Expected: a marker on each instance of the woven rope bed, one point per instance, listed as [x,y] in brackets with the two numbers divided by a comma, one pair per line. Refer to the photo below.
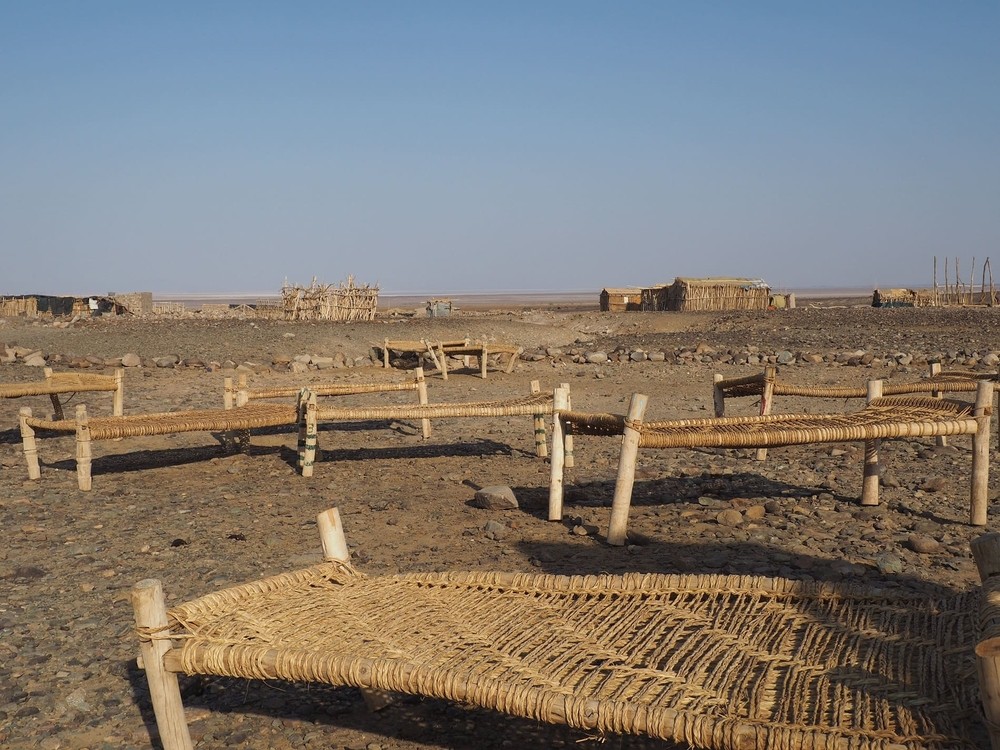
[885,417]
[767,385]
[721,662]
[439,351]
[87,429]
[61,383]
[536,405]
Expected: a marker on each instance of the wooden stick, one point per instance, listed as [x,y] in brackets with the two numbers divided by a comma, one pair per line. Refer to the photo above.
[766,399]
[513,359]
[935,370]
[29,443]
[331,534]
[57,409]
[718,395]
[309,444]
[118,405]
[981,454]
[986,552]
[558,456]
[83,455]
[242,390]
[538,424]
[626,471]
[568,461]
[385,353]
[425,424]
[870,478]
[441,366]
[151,616]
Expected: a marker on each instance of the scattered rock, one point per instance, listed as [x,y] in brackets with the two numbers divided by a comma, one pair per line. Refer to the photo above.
[495,497]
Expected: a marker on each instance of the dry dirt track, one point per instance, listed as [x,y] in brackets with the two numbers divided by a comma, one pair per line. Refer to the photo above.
[178,509]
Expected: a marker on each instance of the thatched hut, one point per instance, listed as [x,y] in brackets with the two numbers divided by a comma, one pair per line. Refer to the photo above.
[693,295]
[344,302]
[903,298]
[654,298]
[621,299]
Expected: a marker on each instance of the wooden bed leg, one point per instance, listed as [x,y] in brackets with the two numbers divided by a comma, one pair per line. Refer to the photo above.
[441,366]
[83,454]
[870,478]
[986,552]
[626,471]
[29,443]
[242,399]
[151,615]
[118,405]
[538,424]
[385,353]
[558,456]
[568,460]
[935,370]
[718,396]
[981,454]
[331,534]
[227,393]
[513,360]
[483,358]
[425,424]
[766,400]
[309,444]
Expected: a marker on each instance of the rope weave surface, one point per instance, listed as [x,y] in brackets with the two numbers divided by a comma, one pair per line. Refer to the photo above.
[540,403]
[60,383]
[887,417]
[947,382]
[134,425]
[339,389]
[715,661]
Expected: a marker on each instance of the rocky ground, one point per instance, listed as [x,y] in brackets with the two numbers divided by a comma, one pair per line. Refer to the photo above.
[179,509]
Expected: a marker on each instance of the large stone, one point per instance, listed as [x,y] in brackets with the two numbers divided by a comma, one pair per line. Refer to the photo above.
[36,359]
[597,358]
[168,361]
[495,497]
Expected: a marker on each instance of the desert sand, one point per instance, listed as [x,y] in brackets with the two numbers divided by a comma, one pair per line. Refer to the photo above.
[180,509]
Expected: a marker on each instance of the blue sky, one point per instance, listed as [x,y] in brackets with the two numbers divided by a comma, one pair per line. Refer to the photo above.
[470,146]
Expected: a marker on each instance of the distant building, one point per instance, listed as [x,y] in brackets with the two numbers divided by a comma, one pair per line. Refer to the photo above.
[715,294]
[621,299]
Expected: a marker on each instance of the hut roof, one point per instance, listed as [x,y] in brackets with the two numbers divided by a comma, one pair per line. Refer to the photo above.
[622,289]
[720,281]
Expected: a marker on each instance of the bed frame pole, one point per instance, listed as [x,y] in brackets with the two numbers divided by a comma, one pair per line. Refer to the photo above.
[935,370]
[425,423]
[568,460]
[242,390]
[83,454]
[870,479]
[538,423]
[718,395]
[29,443]
[151,615]
[57,410]
[981,453]
[482,360]
[986,552]
[513,359]
[227,393]
[626,471]
[118,405]
[385,353]
[767,400]
[559,405]
[309,443]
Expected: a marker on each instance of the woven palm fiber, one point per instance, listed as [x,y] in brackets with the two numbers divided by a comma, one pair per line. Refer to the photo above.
[753,385]
[339,389]
[134,425]
[540,403]
[727,662]
[60,383]
[888,417]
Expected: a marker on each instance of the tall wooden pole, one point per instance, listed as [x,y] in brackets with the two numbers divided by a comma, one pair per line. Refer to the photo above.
[979,500]
[558,456]
[626,471]
[870,480]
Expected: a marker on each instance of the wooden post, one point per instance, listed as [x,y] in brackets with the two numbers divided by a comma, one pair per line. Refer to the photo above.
[118,405]
[227,393]
[718,395]
[242,390]
[331,534]
[483,356]
[385,353]
[513,359]
[151,618]
[626,471]
[538,424]
[981,454]
[310,441]
[441,366]
[29,444]
[766,400]
[935,370]
[425,423]
[558,455]
[83,455]
[870,479]
[568,460]
[986,552]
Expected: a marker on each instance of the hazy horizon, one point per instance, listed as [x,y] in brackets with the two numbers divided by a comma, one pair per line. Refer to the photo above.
[447,145]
